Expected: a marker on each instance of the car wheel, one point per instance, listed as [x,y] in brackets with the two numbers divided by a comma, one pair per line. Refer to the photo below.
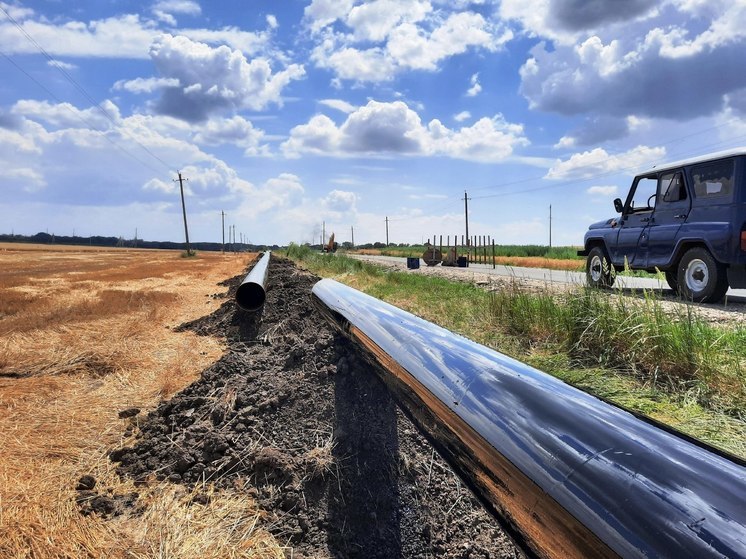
[701,278]
[672,280]
[598,270]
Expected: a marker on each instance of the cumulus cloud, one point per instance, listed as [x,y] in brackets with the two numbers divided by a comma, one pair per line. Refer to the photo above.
[215,79]
[462,116]
[376,40]
[671,65]
[598,162]
[395,129]
[236,131]
[564,20]
[341,201]
[164,9]
[475,88]
[65,115]
[122,36]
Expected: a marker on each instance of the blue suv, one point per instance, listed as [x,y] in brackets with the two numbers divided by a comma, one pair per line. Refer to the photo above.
[686,219]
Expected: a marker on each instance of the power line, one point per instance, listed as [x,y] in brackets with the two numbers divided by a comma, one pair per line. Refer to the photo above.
[79,87]
[78,116]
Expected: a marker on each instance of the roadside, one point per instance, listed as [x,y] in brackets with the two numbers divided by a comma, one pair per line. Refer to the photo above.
[732,310]
[655,357]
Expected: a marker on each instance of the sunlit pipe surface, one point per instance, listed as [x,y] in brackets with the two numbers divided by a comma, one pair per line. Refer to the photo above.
[567,474]
[251,294]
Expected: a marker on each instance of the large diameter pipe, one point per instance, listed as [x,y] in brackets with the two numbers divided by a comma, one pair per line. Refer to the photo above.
[251,294]
[565,473]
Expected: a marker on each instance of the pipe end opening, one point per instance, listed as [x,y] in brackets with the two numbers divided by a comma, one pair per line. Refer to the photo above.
[250,296]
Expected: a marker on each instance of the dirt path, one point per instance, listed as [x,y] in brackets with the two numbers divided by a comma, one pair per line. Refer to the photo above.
[293,416]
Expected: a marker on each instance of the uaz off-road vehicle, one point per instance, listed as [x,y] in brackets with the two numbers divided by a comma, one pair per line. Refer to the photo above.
[686,219]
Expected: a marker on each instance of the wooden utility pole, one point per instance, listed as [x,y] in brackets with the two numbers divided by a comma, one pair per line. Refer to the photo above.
[352,232]
[183,209]
[387,230]
[550,225]
[222,227]
[466,216]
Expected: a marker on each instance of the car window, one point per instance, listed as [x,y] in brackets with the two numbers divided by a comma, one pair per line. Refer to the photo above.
[713,179]
[672,187]
[645,190]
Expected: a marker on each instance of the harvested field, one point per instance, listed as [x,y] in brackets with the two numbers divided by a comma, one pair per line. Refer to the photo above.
[285,445]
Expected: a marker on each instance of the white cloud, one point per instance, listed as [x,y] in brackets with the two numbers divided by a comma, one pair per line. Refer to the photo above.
[215,79]
[320,13]
[61,64]
[462,116]
[638,66]
[338,104]
[145,85]
[341,201]
[395,129]
[373,21]
[65,115]
[272,21]
[188,7]
[235,131]
[122,36]
[386,37]
[604,191]
[17,12]
[598,162]
[475,88]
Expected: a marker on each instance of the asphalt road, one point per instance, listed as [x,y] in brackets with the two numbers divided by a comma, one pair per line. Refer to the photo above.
[555,276]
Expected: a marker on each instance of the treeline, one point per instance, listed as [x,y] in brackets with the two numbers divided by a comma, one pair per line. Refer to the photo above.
[47,239]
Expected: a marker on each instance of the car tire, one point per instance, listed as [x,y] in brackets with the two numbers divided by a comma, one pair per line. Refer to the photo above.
[598,270]
[672,279]
[701,278]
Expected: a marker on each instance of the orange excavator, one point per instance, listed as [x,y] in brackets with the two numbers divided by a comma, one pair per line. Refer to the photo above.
[331,246]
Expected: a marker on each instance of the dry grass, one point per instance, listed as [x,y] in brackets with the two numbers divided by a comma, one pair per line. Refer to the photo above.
[84,334]
[538,262]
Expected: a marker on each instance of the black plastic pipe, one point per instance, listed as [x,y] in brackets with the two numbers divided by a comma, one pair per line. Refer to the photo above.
[251,294]
[565,473]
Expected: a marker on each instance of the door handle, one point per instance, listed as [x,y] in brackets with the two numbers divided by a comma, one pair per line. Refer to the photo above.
[680,216]
[644,219]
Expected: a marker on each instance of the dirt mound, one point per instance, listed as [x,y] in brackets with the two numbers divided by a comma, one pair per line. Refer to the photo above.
[295,417]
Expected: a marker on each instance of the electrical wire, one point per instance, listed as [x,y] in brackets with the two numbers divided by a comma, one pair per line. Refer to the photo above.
[79,87]
[79,117]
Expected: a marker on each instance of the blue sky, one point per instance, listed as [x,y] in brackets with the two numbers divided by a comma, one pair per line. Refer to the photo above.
[287,114]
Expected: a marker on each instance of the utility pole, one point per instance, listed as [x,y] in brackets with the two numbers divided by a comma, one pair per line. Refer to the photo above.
[466,216]
[387,230]
[323,234]
[222,227]
[550,225]
[352,231]
[183,209]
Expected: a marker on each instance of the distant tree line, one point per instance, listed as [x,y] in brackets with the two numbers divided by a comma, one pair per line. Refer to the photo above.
[48,239]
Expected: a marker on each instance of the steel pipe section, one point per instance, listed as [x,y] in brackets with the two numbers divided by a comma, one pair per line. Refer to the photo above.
[565,473]
[251,294]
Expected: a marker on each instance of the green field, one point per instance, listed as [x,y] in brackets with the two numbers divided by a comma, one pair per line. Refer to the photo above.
[668,364]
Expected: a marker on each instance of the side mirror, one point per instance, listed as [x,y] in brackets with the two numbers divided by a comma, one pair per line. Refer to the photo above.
[618,206]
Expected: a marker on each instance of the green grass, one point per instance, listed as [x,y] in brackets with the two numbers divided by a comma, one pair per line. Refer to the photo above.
[634,352]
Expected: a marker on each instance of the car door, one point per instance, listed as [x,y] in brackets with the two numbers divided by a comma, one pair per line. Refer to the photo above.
[632,242]
[671,210]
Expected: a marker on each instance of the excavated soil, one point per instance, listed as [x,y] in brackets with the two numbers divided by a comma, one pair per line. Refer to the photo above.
[293,416]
